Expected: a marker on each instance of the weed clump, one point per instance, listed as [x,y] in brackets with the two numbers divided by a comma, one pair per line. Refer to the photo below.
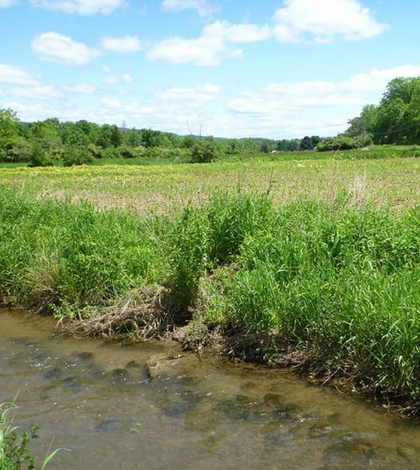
[15,453]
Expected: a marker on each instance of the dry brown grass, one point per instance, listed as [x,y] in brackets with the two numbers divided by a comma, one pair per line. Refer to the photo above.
[142,314]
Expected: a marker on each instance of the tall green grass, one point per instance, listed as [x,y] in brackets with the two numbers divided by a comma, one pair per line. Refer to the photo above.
[58,253]
[341,280]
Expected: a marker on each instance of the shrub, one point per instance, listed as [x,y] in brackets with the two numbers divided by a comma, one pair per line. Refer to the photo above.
[127,152]
[343,142]
[76,156]
[39,156]
[110,153]
[204,151]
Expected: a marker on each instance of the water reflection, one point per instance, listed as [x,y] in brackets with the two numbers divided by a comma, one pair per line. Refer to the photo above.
[97,400]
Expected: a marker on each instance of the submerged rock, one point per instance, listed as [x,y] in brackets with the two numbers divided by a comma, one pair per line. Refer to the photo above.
[163,366]
[84,356]
[54,373]
[120,375]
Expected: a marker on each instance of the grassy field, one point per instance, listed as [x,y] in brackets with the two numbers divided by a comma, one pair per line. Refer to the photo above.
[309,261]
[290,177]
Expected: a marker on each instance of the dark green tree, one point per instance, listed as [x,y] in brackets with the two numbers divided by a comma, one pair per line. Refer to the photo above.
[265,146]
[73,135]
[105,136]
[116,136]
[306,143]
[315,140]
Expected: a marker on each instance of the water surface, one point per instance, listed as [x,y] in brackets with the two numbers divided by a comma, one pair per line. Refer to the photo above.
[96,399]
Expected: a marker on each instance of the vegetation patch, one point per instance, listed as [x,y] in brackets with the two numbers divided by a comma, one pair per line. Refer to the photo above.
[15,453]
[329,286]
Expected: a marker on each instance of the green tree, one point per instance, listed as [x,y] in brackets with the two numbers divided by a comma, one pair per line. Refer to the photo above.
[306,143]
[265,146]
[231,146]
[188,141]
[315,140]
[105,136]
[89,129]
[133,138]
[9,131]
[44,129]
[74,135]
[398,119]
[151,138]
[21,152]
[116,136]
[365,123]
[288,145]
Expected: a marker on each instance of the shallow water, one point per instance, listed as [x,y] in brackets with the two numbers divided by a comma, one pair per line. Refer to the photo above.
[96,399]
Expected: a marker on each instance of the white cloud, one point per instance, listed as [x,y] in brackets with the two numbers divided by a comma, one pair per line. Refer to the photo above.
[203,7]
[173,109]
[81,88]
[110,80]
[80,7]
[191,97]
[376,80]
[307,107]
[30,112]
[59,49]
[122,44]
[237,33]
[322,19]
[174,116]
[7,3]
[325,19]
[45,92]
[211,47]
[298,98]
[10,75]
[276,110]
[206,51]
[112,103]
[127,78]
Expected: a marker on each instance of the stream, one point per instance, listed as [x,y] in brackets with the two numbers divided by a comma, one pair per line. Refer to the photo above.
[96,399]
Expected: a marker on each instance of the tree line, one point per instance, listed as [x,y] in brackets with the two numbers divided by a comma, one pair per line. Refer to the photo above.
[396,120]
[51,141]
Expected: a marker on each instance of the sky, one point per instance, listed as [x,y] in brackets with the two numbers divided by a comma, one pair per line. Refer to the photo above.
[277,69]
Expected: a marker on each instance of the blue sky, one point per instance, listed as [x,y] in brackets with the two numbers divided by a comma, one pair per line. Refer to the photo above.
[230,68]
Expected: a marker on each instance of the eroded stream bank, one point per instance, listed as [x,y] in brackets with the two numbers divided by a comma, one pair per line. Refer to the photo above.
[97,399]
